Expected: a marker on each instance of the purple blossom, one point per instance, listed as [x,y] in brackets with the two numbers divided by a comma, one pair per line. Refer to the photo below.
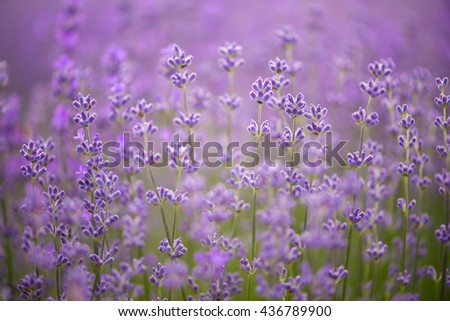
[442,83]
[337,274]
[359,159]
[259,131]
[287,36]
[376,251]
[373,88]
[158,275]
[231,52]
[31,287]
[183,79]
[187,120]
[381,68]
[403,278]
[361,118]
[254,180]
[178,249]
[179,59]
[230,102]
[294,106]
[261,90]
[442,234]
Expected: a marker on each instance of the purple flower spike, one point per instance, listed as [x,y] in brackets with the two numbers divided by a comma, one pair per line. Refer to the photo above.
[442,123]
[231,49]
[354,215]
[407,122]
[160,196]
[261,90]
[142,108]
[295,106]
[403,278]
[255,181]
[179,59]
[442,83]
[231,52]
[406,170]
[84,103]
[248,267]
[278,66]
[337,274]
[31,287]
[443,234]
[178,249]
[187,120]
[158,275]
[177,198]
[361,118]
[442,101]
[431,272]
[231,102]
[183,79]
[372,88]
[287,36]
[381,68]
[377,250]
[261,131]
[359,159]
[245,265]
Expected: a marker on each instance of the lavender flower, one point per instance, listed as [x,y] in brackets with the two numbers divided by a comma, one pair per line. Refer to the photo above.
[231,52]
[376,251]
[442,234]
[372,88]
[178,249]
[294,106]
[231,102]
[381,68]
[337,274]
[261,90]
[31,287]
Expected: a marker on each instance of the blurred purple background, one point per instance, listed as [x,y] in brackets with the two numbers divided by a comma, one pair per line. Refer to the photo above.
[412,32]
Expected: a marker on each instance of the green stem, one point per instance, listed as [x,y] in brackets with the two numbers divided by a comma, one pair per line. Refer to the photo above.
[305,221]
[174,225]
[8,248]
[363,127]
[416,261]
[249,286]
[254,226]
[185,100]
[183,293]
[374,284]
[406,212]
[166,226]
[347,259]
[152,179]
[443,273]
[231,82]
[280,112]
[228,127]
[97,275]
[258,137]
[58,294]
[144,276]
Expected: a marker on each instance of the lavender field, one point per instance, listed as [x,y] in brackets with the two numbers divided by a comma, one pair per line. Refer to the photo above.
[224,150]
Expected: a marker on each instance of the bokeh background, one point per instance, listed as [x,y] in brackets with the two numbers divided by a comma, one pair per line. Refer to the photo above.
[412,32]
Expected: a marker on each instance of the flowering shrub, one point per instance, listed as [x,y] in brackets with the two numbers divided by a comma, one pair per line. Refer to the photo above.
[301,171]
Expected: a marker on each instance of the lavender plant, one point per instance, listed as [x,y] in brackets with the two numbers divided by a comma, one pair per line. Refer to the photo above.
[339,190]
